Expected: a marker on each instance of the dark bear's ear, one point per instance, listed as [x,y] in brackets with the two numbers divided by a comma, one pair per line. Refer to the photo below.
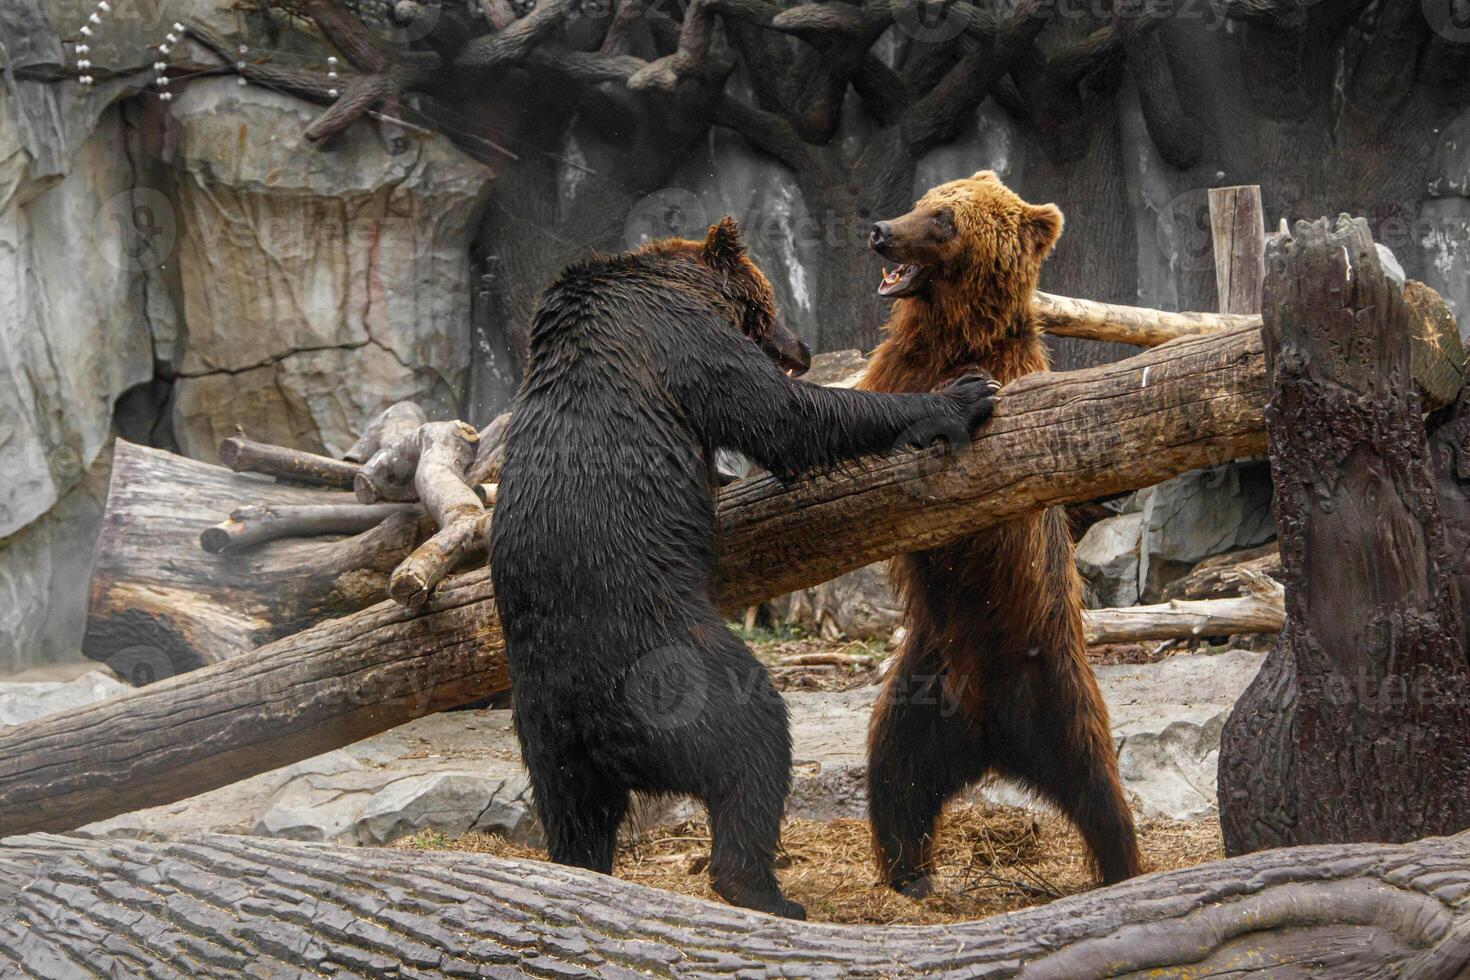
[722,247]
[1041,226]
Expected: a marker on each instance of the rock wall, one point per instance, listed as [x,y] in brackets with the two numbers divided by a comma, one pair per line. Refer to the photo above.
[173,270]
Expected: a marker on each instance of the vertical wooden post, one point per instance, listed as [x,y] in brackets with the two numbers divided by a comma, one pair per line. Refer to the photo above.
[1358,726]
[1238,229]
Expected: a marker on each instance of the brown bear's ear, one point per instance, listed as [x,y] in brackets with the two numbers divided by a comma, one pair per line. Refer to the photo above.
[984,175]
[722,247]
[1041,226]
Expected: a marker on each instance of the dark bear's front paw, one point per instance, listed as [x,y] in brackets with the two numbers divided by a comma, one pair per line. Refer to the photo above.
[791,910]
[975,392]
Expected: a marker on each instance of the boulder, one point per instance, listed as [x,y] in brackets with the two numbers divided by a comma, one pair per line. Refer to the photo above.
[1107,557]
[20,703]
[1200,514]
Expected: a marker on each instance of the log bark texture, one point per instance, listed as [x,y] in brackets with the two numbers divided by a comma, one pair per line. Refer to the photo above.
[1238,233]
[161,605]
[1358,725]
[232,906]
[1449,444]
[1062,316]
[1054,439]
[1228,574]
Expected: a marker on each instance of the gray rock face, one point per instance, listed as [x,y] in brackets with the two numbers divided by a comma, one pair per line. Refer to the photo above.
[1200,514]
[461,770]
[71,341]
[1107,557]
[290,291]
[300,269]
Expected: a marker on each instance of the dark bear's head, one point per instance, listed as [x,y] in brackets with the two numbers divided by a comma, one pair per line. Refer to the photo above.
[974,234]
[743,288]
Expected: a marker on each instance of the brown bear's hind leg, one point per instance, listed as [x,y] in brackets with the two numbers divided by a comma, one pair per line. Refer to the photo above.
[922,751]
[1051,734]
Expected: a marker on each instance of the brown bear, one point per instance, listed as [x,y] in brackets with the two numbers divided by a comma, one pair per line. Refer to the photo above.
[992,676]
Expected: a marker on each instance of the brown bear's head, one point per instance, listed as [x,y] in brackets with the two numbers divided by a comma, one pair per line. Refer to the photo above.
[743,288]
[972,234]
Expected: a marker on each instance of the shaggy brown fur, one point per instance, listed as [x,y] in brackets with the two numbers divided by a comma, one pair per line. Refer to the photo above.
[992,677]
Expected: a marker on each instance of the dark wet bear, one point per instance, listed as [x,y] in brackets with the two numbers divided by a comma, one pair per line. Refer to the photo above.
[602,547]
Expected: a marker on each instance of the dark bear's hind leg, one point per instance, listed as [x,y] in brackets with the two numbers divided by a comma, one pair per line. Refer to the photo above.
[921,753]
[741,752]
[579,807]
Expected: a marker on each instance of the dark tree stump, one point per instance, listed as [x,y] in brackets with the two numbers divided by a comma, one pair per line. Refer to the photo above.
[221,906]
[1449,444]
[1358,726]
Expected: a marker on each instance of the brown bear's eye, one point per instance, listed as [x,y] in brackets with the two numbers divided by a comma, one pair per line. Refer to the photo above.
[944,221]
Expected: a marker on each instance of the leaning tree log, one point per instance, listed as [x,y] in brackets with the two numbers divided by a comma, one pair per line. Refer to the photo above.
[231,906]
[1358,725]
[1054,439]
[155,600]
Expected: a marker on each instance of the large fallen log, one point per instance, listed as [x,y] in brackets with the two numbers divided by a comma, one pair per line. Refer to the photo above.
[218,905]
[1054,439]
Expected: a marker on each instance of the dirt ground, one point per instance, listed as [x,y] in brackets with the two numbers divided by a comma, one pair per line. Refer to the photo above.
[991,859]
[809,663]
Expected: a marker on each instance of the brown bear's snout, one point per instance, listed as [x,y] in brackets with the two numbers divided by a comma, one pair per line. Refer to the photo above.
[880,236]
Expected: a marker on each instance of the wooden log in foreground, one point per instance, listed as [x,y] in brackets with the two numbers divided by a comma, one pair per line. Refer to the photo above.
[1054,439]
[218,905]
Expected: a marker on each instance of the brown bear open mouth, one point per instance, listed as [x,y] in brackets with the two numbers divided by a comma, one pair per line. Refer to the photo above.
[904,280]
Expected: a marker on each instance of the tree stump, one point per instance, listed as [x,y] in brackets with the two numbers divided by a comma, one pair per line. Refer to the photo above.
[1358,726]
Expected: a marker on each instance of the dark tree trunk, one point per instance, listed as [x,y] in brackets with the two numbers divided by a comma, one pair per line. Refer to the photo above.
[1358,726]
[1449,444]
[230,906]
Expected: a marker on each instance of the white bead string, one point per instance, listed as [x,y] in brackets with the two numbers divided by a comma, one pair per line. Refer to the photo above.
[332,75]
[160,64]
[84,48]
